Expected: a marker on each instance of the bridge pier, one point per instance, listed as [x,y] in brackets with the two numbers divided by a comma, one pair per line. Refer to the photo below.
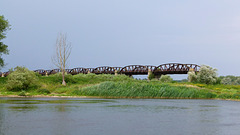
[116,72]
[150,74]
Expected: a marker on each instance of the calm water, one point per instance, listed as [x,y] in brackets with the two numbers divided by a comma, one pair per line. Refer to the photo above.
[42,116]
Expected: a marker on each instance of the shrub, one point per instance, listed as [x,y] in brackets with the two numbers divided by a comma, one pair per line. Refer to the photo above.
[150,76]
[165,78]
[226,80]
[230,80]
[237,81]
[207,75]
[192,77]
[21,79]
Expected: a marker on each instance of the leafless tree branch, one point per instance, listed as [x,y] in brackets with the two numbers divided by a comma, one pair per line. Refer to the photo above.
[63,51]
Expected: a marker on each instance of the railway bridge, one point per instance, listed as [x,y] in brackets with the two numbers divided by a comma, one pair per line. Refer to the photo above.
[163,69]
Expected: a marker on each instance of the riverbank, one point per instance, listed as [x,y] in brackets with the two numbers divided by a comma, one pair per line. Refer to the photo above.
[121,86]
[96,97]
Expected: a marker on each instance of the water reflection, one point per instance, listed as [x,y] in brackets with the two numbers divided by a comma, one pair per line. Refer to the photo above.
[23,108]
[118,116]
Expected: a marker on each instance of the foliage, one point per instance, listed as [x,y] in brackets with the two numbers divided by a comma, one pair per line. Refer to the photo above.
[207,75]
[43,91]
[192,77]
[21,79]
[112,86]
[226,80]
[165,78]
[58,78]
[184,80]
[4,26]
[22,93]
[237,81]
[150,76]
[230,80]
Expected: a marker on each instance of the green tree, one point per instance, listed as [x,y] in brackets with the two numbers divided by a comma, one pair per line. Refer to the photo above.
[226,80]
[21,79]
[4,26]
[165,78]
[207,75]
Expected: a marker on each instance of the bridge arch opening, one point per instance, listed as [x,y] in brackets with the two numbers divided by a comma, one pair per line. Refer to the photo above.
[141,77]
[175,77]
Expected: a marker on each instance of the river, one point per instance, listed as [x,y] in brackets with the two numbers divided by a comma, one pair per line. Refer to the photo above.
[68,116]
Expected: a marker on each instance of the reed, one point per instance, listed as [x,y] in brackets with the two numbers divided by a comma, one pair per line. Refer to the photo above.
[142,90]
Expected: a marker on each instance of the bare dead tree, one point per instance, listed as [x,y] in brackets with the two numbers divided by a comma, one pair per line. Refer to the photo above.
[63,51]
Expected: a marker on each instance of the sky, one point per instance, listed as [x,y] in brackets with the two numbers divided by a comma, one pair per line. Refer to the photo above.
[126,32]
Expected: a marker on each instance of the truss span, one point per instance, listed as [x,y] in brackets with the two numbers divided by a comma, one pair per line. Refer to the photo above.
[169,68]
[136,69]
[175,68]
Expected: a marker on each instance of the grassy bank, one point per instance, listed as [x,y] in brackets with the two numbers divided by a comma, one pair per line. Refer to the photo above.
[121,86]
[142,90]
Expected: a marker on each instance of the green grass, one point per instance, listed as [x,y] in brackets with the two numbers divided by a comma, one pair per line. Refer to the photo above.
[142,90]
[122,86]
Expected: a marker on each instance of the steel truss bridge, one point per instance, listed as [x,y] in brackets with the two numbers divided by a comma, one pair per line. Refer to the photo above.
[169,68]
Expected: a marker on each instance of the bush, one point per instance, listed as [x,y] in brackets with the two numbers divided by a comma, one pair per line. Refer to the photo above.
[207,75]
[226,81]
[192,77]
[230,80]
[237,81]
[165,78]
[151,76]
[21,79]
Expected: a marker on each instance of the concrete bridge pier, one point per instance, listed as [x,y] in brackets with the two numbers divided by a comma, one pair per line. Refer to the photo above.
[150,74]
[116,72]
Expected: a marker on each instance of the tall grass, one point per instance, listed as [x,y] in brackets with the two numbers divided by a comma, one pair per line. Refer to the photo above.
[141,90]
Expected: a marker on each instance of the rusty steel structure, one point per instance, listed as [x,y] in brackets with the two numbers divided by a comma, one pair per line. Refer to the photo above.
[163,69]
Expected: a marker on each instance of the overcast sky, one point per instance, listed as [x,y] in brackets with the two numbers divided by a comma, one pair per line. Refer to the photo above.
[124,32]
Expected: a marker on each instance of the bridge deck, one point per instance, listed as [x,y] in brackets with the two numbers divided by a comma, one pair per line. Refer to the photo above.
[170,68]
